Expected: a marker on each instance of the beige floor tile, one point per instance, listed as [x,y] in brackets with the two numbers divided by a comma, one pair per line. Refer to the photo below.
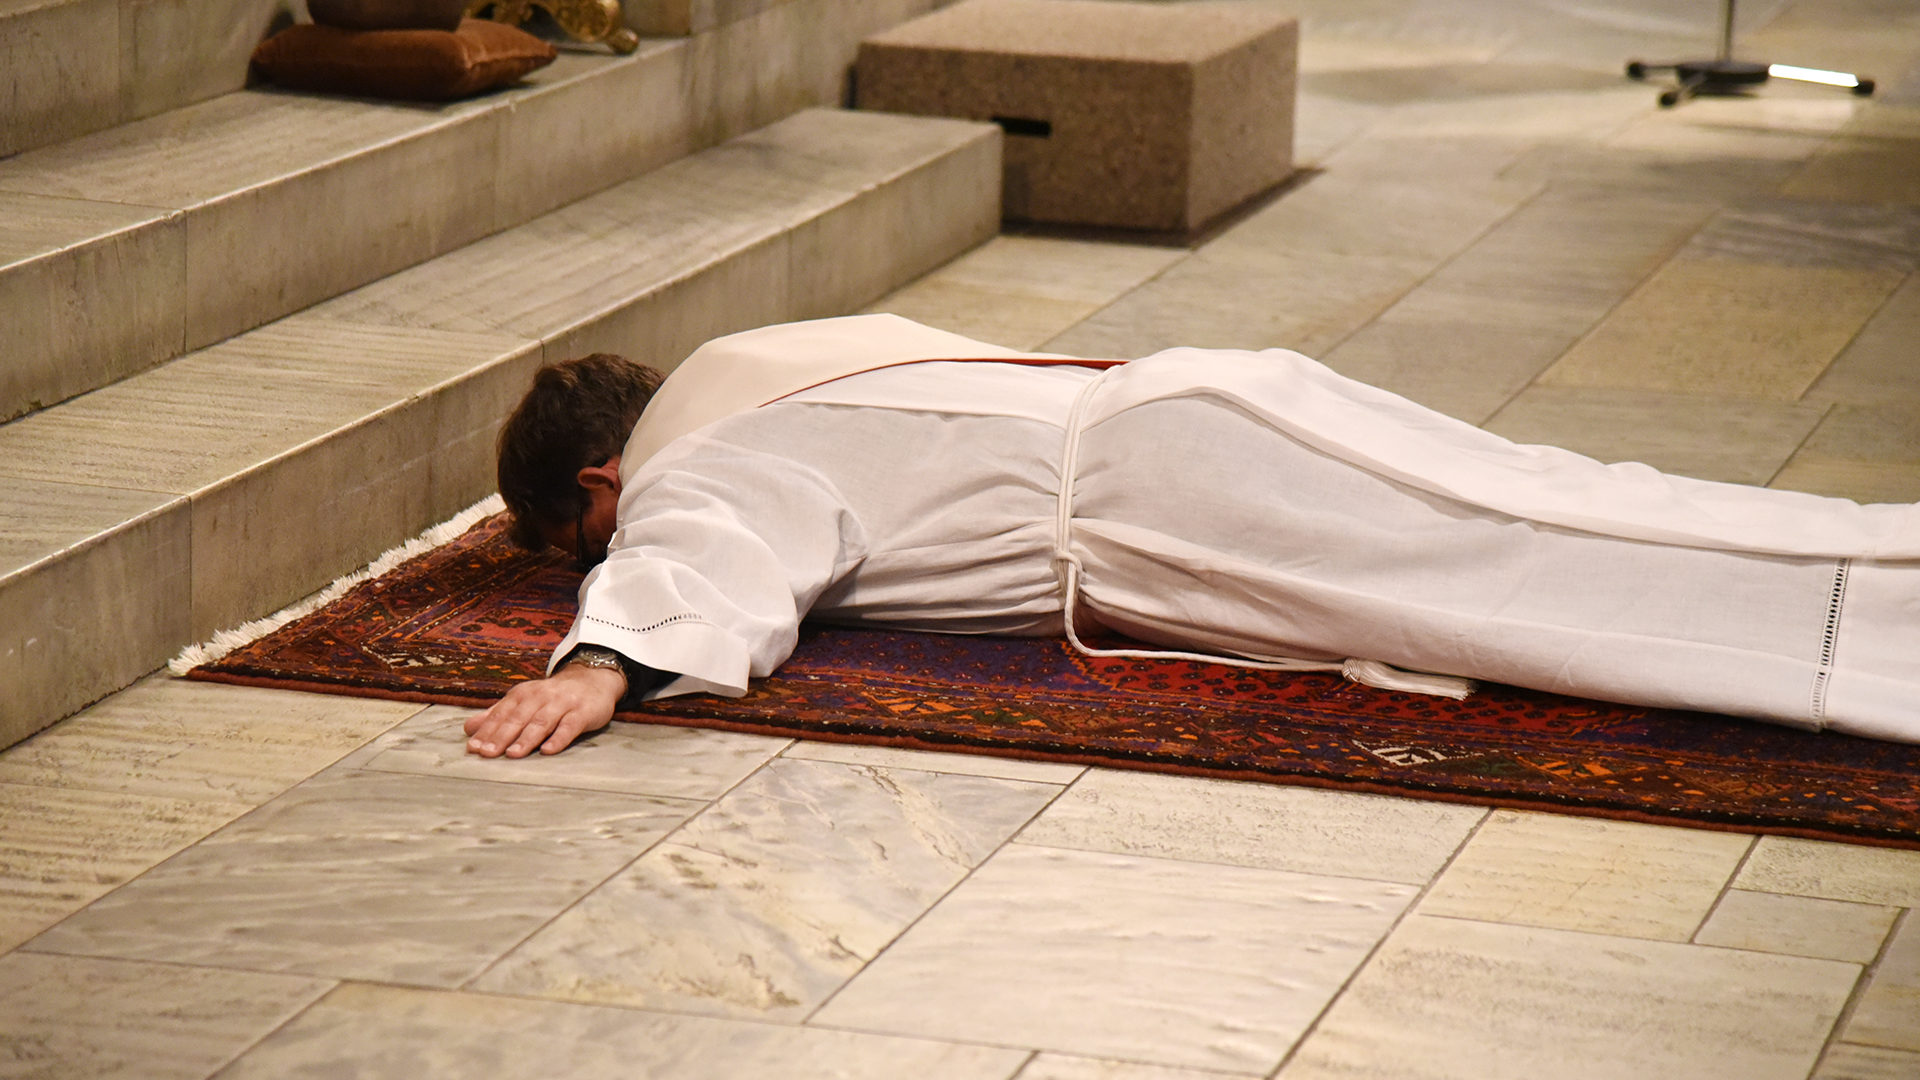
[1865,453]
[1346,211]
[187,740]
[1874,159]
[392,1033]
[1867,875]
[1798,926]
[1307,830]
[1068,1067]
[1739,441]
[639,759]
[1249,298]
[1712,326]
[62,849]
[1861,481]
[769,901]
[1575,873]
[1847,1061]
[886,757]
[1559,264]
[1878,367]
[1467,370]
[1075,271]
[1117,956]
[1800,233]
[75,1017]
[1446,998]
[996,316]
[357,875]
[1888,1013]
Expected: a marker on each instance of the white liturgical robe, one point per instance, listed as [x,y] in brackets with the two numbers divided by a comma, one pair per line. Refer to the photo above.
[1250,503]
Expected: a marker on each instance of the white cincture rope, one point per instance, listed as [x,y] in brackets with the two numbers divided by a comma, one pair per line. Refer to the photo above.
[1372,673]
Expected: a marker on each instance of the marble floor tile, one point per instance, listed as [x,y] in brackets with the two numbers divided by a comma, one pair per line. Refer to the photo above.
[1800,233]
[1122,957]
[1069,1067]
[1715,326]
[356,875]
[996,316]
[638,759]
[1878,365]
[1591,874]
[887,757]
[1077,271]
[1848,1061]
[1557,265]
[1867,875]
[1465,369]
[64,848]
[386,1032]
[187,740]
[394,1033]
[1343,211]
[1798,926]
[74,1017]
[1447,998]
[1888,1013]
[769,901]
[1874,159]
[1248,298]
[1738,441]
[1306,830]
[1861,452]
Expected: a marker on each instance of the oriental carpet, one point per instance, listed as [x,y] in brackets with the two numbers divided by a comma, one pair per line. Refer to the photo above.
[461,623]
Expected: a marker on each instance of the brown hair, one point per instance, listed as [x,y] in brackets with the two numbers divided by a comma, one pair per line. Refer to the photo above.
[577,413]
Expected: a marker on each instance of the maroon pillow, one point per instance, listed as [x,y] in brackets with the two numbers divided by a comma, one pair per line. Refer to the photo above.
[418,65]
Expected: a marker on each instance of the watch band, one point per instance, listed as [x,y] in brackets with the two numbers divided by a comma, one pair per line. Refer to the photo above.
[596,656]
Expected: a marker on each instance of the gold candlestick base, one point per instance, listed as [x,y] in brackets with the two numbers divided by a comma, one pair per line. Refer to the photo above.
[583,20]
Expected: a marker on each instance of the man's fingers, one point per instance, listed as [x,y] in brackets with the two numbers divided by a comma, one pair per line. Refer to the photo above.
[570,728]
[535,729]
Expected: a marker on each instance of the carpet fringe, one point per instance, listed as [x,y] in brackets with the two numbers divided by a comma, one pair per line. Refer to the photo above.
[225,641]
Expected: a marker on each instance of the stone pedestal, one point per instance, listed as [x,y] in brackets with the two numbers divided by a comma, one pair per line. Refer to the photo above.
[1136,115]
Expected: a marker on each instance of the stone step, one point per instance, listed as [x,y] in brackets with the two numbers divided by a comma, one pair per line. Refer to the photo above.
[123,248]
[77,66]
[228,482]
[80,66]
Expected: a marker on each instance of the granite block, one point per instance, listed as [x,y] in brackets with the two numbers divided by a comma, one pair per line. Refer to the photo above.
[1145,116]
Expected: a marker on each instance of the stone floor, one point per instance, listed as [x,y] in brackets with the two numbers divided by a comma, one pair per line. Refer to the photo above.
[198,880]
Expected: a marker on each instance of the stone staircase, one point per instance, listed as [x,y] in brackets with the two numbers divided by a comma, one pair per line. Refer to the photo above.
[250,342]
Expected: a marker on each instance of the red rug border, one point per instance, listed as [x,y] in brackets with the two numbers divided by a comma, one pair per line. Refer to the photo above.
[909,742]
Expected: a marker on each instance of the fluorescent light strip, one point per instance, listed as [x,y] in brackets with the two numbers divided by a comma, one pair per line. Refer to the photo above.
[1831,78]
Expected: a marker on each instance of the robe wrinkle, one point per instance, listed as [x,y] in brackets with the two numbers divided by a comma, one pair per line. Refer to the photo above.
[1229,501]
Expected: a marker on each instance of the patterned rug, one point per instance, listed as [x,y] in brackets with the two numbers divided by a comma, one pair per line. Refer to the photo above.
[461,623]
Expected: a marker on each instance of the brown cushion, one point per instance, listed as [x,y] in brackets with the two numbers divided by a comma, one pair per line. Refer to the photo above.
[388,14]
[419,65]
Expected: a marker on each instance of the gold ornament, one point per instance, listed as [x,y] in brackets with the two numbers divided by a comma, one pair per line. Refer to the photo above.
[584,20]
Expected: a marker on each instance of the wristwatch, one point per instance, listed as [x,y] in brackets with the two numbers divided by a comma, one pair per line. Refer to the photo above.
[597,657]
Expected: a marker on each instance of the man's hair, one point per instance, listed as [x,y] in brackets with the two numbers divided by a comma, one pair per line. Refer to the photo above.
[577,413]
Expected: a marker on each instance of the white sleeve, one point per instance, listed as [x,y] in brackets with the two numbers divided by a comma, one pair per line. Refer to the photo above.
[720,552]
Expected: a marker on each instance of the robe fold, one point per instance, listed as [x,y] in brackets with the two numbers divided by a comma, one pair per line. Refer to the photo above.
[1253,503]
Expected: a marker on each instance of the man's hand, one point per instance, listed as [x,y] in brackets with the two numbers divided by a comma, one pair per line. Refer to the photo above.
[547,713]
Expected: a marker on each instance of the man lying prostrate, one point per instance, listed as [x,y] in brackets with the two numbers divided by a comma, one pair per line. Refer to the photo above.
[1248,505]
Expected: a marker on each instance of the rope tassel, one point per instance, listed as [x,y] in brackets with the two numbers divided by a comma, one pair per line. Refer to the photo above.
[1387,677]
